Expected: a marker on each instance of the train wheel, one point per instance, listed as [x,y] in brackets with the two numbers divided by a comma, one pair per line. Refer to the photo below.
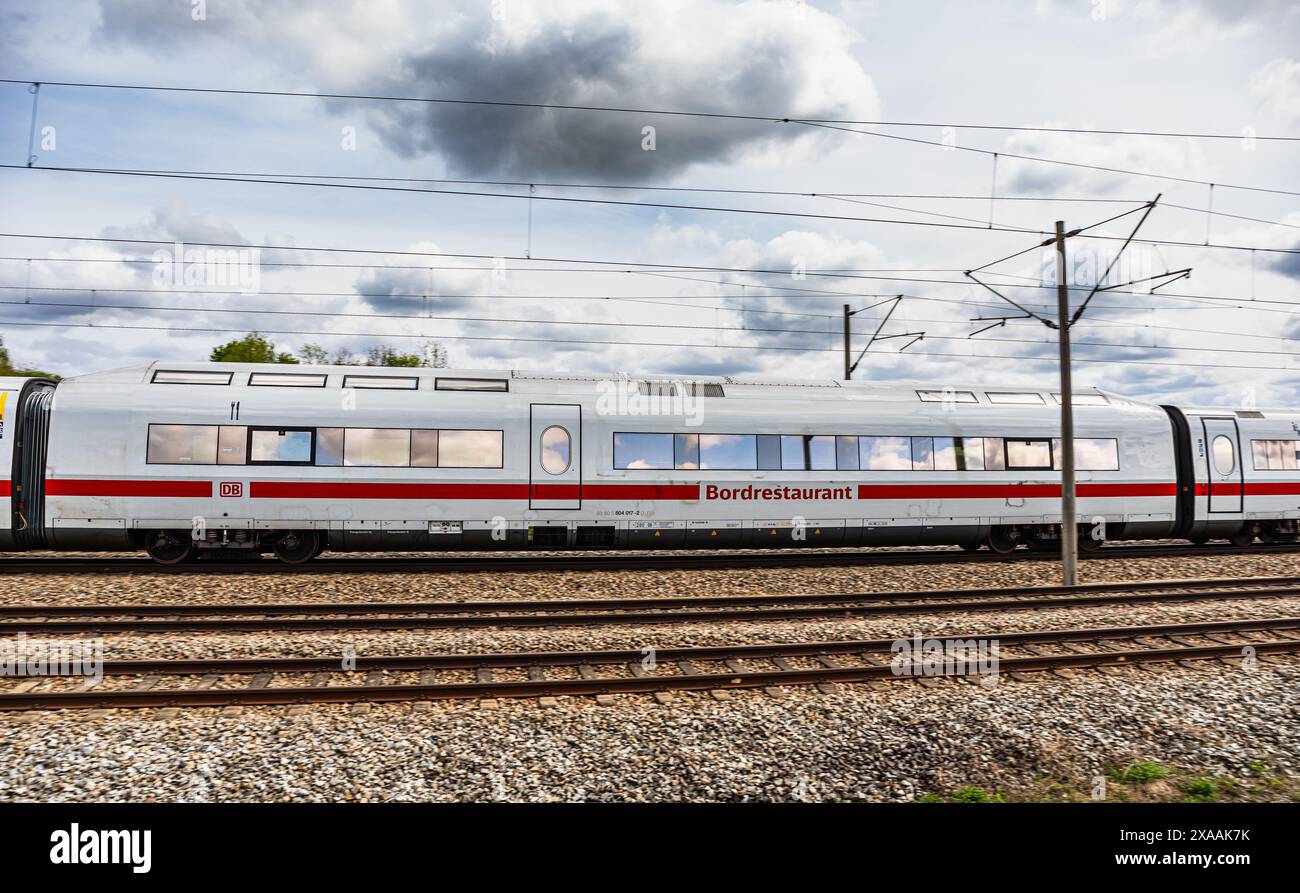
[297,546]
[1087,543]
[168,547]
[1198,541]
[1243,537]
[1003,540]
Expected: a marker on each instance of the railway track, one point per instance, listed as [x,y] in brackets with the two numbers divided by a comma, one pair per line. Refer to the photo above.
[847,557]
[119,618]
[709,668]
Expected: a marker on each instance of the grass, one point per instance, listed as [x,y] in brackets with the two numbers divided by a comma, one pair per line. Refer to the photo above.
[1141,772]
[1141,781]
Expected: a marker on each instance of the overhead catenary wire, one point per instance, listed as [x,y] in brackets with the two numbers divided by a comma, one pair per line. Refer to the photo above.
[636,344]
[604,266]
[302,94]
[976,227]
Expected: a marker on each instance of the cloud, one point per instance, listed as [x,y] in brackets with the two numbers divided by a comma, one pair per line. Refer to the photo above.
[1276,89]
[1161,155]
[778,58]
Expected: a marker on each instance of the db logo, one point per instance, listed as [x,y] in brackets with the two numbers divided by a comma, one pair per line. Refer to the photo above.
[232,488]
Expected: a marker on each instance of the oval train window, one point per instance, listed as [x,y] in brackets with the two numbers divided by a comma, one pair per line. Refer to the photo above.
[1225,459]
[555,450]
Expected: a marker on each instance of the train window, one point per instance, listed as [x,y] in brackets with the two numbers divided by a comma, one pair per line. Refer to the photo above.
[1013,397]
[1225,457]
[1090,453]
[792,456]
[945,453]
[167,376]
[469,449]
[970,454]
[885,453]
[1273,455]
[388,382]
[556,443]
[285,380]
[686,451]
[329,446]
[947,395]
[769,452]
[232,445]
[377,447]
[995,458]
[821,452]
[728,452]
[846,452]
[424,449]
[1259,451]
[1029,454]
[280,446]
[635,450]
[182,445]
[471,384]
[1085,399]
[923,453]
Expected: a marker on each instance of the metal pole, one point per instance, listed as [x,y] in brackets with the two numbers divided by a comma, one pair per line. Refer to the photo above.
[1069,528]
[848,350]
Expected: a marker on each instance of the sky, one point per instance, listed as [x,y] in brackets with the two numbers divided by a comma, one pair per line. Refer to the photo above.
[498,277]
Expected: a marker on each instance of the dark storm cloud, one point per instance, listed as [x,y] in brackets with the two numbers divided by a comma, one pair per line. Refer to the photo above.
[776,58]
[415,292]
[1288,264]
[594,63]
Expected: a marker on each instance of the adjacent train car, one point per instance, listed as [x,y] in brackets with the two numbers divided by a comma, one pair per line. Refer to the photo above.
[182,459]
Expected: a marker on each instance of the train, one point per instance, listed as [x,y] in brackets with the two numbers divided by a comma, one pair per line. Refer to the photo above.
[203,460]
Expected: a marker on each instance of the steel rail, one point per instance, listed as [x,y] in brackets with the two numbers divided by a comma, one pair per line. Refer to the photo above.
[605,618]
[396,663]
[208,697]
[603,561]
[521,606]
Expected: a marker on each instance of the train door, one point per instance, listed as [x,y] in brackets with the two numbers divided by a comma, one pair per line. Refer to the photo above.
[555,456]
[1223,460]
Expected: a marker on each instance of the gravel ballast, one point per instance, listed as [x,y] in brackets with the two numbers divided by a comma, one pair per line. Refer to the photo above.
[857,743]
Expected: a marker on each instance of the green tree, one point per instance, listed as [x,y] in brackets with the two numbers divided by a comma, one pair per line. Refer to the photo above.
[314,355]
[252,348]
[7,366]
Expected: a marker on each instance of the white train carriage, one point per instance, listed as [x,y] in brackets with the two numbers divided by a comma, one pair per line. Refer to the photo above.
[1241,474]
[185,458]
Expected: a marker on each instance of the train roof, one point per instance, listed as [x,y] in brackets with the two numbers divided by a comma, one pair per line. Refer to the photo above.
[519,381]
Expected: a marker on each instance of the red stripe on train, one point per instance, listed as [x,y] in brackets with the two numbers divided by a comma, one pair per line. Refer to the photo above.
[359,490]
[70,487]
[686,492]
[1007,491]
[6,488]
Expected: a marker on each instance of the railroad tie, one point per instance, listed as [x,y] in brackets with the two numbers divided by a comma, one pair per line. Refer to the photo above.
[830,663]
[872,661]
[427,677]
[165,713]
[21,688]
[586,671]
[318,680]
[688,668]
[373,678]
